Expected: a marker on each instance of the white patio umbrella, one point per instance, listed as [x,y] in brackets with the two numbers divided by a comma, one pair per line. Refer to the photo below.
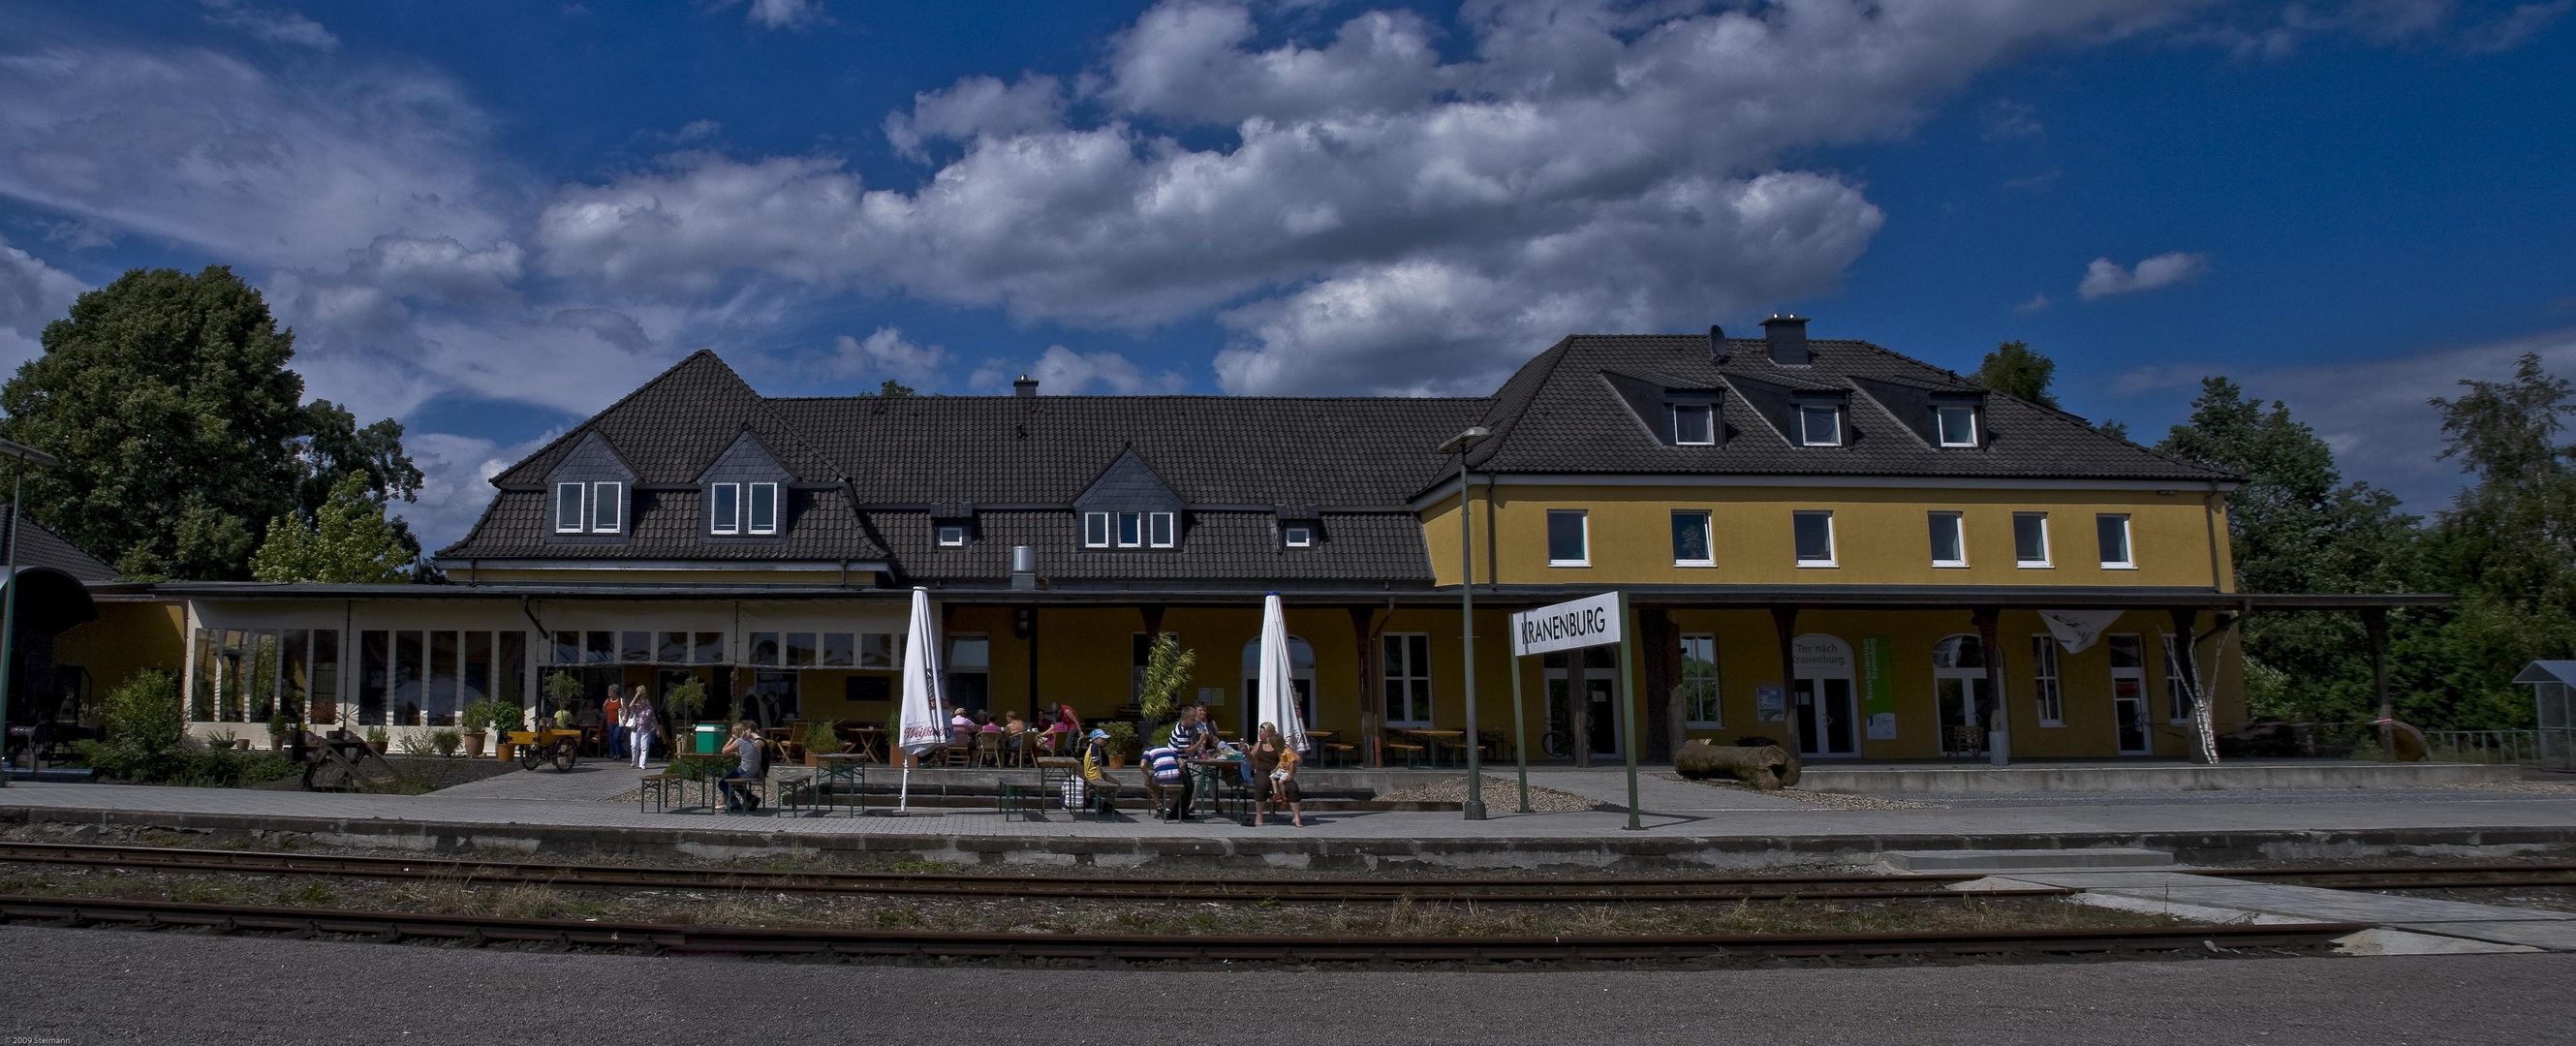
[1278,681]
[921,717]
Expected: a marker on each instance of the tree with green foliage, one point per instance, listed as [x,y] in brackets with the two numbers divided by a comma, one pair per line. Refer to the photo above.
[2508,543]
[349,542]
[2296,526]
[2014,370]
[1168,665]
[180,428]
[891,387]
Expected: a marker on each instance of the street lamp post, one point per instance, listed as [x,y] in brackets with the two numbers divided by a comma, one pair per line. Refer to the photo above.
[9,592]
[1460,444]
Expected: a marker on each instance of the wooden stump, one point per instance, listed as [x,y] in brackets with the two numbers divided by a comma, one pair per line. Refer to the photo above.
[1766,767]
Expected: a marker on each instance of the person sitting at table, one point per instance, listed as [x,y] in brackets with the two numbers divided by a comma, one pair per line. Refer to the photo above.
[1056,734]
[1274,776]
[961,731]
[748,748]
[986,724]
[1167,776]
[1103,788]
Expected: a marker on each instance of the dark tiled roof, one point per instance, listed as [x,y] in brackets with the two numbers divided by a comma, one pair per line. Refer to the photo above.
[669,430]
[39,547]
[1557,415]
[1214,546]
[1211,450]
[666,525]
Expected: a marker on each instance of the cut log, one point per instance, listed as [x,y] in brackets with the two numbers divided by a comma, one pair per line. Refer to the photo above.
[1766,767]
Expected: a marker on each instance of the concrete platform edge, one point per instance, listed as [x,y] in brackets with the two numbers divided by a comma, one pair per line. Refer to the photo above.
[1616,853]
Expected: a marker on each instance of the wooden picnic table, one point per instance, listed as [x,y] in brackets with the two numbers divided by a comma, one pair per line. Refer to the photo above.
[870,739]
[1436,739]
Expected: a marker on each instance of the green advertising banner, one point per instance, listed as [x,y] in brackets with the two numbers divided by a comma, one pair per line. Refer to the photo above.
[1877,687]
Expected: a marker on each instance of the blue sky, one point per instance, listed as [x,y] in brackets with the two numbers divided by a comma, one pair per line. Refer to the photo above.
[488,219]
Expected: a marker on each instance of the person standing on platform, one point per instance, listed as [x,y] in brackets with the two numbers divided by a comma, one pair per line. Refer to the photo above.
[612,719]
[1274,776]
[641,724]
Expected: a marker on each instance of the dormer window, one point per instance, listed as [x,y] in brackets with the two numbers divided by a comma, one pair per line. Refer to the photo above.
[1958,425]
[1820,425]
[1297,535]
[1095,530]
[607,507]
[1159,529]
[1131,529]
[724,508]
[952,535]
[1695,424]
[764,508]
[568,519]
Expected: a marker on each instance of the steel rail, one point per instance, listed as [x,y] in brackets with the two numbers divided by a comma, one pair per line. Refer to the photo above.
[1699,888]
[667,938]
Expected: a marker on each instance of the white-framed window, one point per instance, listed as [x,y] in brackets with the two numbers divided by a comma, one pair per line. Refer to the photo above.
[1095,530]
[724,508]
[568,516]
[1569,538]
[764,508]
[1699,682]
[1949,539]
[607,507]
[1695,424]
[2030,539]
[952,535]
[1820,426]
[1408,679]
[1957,425]
[2113,528]
[2177,695]
[1131,530]
[1813,531]
[1297,535]
[1691,539]
[2043,667]
[1159,530]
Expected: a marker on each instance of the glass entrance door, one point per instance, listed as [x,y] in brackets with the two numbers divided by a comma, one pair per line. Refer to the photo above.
[1600,684]
[1825,727]
[1962,699]
[2129,715]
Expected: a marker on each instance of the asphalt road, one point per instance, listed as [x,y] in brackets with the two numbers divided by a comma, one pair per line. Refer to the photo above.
[76,987]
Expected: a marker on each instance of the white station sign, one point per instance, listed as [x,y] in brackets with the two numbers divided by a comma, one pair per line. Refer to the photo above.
[1590,621]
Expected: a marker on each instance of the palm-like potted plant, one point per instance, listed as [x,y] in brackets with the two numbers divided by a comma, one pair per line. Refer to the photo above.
[683,704]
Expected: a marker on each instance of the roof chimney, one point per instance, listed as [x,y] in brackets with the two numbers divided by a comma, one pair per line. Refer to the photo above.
[1026,386]
[1788,338]
[1024,566]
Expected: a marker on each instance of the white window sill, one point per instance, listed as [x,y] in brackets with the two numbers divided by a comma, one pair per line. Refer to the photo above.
[1958,446]
[1694,443]
[2119,566]
[1699,563]
[1820,564]
[1569,562]
[1949,564]
[2036,566]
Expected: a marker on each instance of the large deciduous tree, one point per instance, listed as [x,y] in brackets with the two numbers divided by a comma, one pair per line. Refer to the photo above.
[2509,539]
[2296,526]
[181,430]
[2014,370]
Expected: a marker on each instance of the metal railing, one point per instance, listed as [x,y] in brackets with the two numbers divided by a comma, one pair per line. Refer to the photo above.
[2483,746]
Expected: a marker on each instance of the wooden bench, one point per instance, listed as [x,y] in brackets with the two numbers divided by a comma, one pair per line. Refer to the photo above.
[1411,750]
[664,789]
[796,791]
[1340,754]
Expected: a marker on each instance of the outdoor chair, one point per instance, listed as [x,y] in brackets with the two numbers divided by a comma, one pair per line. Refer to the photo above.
[988,749]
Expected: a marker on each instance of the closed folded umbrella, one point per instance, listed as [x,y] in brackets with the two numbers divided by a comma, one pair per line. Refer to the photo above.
[921,717]
[1278,681]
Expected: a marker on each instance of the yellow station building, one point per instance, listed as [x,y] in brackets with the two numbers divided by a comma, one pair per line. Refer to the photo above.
[1901,534]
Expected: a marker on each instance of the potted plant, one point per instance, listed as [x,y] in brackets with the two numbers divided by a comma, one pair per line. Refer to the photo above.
[821,737]
[447,740]
[1122,742]
[277,728]
[563,690]
[378,739]
[483,715]
[683,704]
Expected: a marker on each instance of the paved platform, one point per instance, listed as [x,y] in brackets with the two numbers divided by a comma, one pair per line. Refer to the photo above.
[2224,900]
[1685,824]
[2060,777]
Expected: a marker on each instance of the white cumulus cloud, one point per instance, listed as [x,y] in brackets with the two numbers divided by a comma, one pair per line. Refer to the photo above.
[32,294]
[2106,278]
[887,352]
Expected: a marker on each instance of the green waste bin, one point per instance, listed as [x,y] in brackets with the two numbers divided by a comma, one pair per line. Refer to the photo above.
[709,738]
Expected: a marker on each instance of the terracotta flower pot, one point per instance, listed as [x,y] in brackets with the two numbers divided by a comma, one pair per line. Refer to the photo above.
[505,749]
[380,746]
[474,745]
[1117,762]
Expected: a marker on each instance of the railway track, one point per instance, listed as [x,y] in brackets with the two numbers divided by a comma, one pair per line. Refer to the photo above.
[595,876]
[669,939]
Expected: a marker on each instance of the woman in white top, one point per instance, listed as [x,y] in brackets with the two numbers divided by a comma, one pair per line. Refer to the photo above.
[641,724]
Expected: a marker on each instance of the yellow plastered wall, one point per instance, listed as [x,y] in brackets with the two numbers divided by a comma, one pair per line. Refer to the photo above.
[127,638]
[1881,536]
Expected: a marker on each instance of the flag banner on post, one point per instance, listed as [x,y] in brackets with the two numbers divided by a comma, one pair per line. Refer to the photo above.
[2078,629]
